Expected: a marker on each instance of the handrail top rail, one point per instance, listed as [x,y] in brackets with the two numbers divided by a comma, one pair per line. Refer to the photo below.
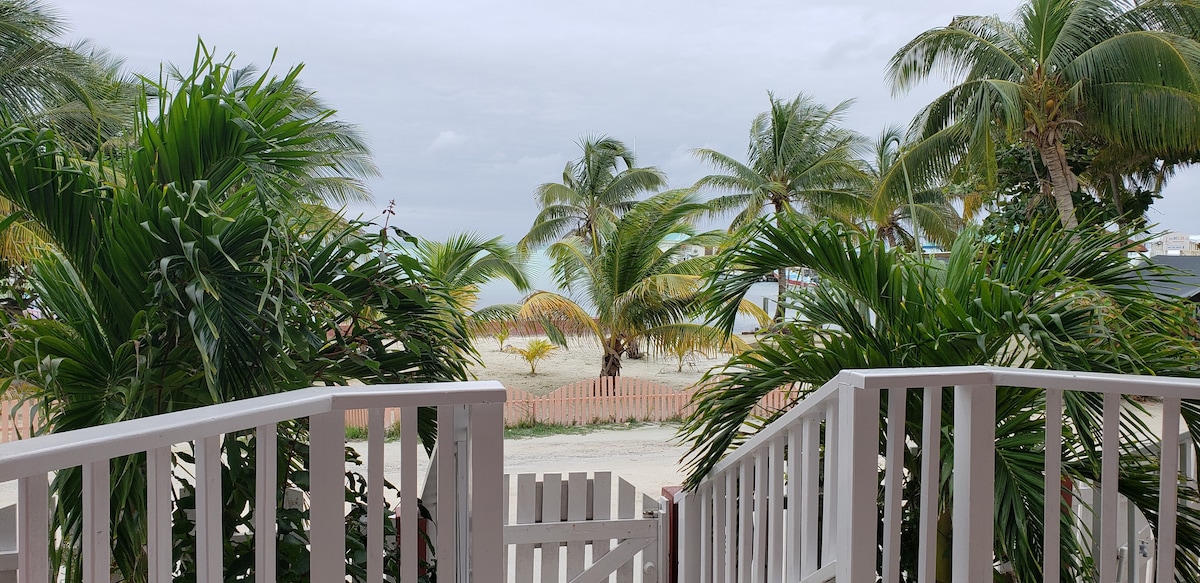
[1093,382]
[982,376]
[28,457]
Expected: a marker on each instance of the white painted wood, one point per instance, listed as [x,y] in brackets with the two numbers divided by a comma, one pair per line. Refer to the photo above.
[832,486]
[409,514]
[688,561]
[487,466]
[1109,460]
[707,531]
[209,537]
[758,531]
[622,555]
[56,451]
[652,509]
[576,510]
[720,501]
[1052,514]
[462,474]
[857,437]
[33,529]
[1168,493]
[807,499]
[974,471]
[505,517]
[375,502]
[551,512]
[744,549]
[893,482]
[447,493]
[625,511]
[97,539]
[931,467]
[266,486]
[601,509]
[776,548]
[158,514]
[730,538]
[580,530]
[527,507]
[327,508]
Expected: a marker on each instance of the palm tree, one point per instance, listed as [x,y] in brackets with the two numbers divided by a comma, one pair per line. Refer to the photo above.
[595,191]
[1043,297]
[799,159]
[1123,72]
[640,283]
[466,261]
[888,209]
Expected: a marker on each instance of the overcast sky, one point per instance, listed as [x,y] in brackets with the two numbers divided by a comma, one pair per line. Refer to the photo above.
[469,105]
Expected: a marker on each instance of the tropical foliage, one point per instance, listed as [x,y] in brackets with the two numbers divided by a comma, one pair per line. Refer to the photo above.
[1118,76]
[465,262]
[1042,297]
[535,351]
[189,272]
[639,281]
[800,159]
[595,191]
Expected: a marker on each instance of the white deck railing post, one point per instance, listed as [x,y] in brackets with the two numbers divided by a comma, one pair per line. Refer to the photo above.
[487,471]
[327,511]
[858,484]
[974,476]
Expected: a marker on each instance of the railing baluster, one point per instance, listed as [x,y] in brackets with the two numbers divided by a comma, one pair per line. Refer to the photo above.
[1052,515]
[687,562]
[893,482]
[375,507]
[327,510]
[807,500]
[831,485]
[974,474]
[447,494]
[409,539]
[97,539]
[1168,491]
[1110,458]
[708,532]
[761,519]
[158,514]
[209,546]
[931,480]
[776,549]
[266,488]
[720,501]
[33,529]
[747,499]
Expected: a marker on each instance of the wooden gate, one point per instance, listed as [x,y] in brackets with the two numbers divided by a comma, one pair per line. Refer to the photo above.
[580,529]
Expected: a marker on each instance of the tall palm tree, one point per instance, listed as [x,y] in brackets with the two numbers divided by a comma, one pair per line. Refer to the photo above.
[640,282]
[799,159]
[1043,297]
[464,262]
[1121,71]
[595,191]
[897,209]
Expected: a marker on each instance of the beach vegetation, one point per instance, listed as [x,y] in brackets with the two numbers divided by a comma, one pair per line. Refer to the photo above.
[535,351]
[1040,297]
[1115,76]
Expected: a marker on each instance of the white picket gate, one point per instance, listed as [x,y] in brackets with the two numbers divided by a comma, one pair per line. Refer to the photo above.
[580,529]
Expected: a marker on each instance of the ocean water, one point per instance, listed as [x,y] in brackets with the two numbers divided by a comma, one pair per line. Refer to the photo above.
[503,292]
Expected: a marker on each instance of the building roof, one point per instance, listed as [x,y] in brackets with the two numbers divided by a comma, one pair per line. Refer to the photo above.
[1186,279]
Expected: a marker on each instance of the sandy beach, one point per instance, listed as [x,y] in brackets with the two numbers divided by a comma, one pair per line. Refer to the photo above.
[581,360]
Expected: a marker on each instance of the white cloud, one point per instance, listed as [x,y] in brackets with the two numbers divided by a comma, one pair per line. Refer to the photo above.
[447,139]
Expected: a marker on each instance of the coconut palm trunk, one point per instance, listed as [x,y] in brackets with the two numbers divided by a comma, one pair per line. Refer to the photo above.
[610,363]
[1062,180]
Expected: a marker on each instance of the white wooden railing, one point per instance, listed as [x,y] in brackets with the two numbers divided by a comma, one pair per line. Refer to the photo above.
[798,502]
[469,468]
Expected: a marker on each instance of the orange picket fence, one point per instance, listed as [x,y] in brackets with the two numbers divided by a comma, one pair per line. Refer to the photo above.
[17,420]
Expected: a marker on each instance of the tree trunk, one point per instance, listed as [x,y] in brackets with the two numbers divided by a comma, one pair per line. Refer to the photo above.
[782,276]
[610,363]
[634,350]
[1062,180]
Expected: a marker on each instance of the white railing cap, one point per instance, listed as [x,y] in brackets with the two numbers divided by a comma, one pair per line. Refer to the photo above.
[55,451]
[1097,382]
